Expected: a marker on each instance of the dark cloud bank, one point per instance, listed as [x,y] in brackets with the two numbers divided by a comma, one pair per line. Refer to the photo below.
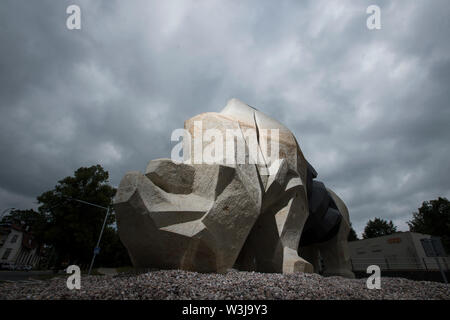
[370,108]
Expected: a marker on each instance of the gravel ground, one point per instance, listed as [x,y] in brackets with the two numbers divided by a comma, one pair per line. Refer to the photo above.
[177,284]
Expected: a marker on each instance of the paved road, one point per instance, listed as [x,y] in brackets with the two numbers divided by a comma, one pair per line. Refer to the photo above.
[22,275]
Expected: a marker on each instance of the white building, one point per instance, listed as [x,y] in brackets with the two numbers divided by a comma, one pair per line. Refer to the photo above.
[17,246]
[401,251]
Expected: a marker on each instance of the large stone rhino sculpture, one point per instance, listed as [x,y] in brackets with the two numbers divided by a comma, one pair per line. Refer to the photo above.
[266,214]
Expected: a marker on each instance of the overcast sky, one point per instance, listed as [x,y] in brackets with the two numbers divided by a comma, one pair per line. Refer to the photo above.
[370,108]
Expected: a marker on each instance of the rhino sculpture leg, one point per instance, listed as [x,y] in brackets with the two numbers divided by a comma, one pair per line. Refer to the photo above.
[273,242]
[334,252]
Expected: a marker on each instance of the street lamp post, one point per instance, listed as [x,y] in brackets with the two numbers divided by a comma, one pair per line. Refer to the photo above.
[97,248]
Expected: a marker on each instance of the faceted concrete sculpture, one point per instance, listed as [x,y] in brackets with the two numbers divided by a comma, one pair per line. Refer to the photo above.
[255,207]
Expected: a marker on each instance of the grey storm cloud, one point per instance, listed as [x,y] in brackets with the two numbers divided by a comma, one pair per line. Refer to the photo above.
[370,108]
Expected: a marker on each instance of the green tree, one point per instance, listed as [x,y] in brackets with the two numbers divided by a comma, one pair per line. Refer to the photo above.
[72,228]
[378,227]
[433,217]
[352,236]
